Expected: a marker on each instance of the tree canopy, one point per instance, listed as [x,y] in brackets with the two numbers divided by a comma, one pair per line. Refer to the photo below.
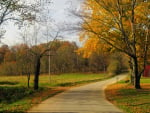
[122,25]
[17,11]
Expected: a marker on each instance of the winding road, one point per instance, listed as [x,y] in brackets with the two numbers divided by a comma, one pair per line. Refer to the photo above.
[88,98]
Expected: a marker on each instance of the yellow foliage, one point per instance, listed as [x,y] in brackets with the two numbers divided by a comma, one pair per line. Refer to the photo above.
[92,45]
[104,21]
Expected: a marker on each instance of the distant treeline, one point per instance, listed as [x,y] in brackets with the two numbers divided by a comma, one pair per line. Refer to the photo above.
[61,58]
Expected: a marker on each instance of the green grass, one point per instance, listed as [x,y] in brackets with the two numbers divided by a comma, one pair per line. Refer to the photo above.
[53,80]
[145,80]
[16,97]
[129,99]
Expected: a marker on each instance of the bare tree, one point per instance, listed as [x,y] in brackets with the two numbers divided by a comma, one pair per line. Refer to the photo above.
[38,55]
[17,11]
[40,36]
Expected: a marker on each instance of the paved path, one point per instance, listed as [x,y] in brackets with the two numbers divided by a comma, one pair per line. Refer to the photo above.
[84,99]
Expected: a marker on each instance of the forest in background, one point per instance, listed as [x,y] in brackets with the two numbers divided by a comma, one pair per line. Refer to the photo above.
[63,58]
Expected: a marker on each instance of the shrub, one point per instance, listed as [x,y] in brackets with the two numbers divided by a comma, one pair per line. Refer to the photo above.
[114,67]
[12,94]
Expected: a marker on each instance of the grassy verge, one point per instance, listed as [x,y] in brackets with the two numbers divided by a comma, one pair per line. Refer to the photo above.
[15,97]
[129,99]
[21,104]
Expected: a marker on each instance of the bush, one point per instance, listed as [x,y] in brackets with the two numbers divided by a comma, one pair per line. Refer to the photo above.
[8,83]
[118,63]
[114,68]
[12,94]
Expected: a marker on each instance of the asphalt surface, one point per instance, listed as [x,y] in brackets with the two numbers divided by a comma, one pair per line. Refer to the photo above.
[88,98]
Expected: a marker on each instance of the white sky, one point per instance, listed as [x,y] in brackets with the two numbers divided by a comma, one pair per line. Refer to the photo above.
[58,13]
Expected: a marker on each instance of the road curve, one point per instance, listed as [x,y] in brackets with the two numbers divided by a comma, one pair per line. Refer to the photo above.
[88,98]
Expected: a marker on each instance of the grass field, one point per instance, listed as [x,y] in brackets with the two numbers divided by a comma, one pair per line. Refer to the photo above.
[16,97]
[129,99]
[51,80]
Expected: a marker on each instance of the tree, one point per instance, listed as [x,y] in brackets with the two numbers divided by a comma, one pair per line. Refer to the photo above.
[24,61]
[38,51]
[3,50]
[16,10]
[35,33]
[65,59]
[121,24]
[94,49]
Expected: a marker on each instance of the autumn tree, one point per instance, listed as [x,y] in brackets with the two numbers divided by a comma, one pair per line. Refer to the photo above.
[24,61]
[96,52]
[65,58]
[3,50]
[122,25]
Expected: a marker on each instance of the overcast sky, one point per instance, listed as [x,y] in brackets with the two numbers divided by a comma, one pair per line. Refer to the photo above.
[58,13]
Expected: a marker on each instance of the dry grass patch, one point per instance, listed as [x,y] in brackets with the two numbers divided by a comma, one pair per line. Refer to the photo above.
[40,96]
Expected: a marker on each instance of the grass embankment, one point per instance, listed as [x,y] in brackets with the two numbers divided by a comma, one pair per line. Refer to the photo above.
[16,97]
[131,100]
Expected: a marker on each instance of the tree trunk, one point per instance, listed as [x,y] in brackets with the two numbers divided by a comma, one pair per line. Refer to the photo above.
[136,74]
[28,76]
[131,73]
[132,78]
[137,82]
[37,72]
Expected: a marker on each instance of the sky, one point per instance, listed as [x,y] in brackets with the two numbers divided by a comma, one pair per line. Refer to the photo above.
[59,13]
